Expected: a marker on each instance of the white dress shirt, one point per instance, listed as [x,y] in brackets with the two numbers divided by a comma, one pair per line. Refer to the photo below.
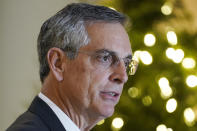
[68,124]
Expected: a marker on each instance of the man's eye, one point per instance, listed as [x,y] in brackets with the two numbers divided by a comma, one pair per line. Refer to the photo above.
[104,58]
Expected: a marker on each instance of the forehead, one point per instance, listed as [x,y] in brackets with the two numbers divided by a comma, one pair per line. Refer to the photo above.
[111,36]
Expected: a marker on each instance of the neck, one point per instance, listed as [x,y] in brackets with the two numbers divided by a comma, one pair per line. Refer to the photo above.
[81,117]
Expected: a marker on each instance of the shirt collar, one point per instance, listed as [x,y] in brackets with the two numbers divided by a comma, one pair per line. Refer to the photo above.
[68,124]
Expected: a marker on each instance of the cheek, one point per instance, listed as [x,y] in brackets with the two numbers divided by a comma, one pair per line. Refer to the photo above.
[98,82]
[76,81]
[100,77]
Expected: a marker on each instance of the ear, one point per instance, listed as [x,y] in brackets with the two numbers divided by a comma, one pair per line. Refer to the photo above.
[56,61]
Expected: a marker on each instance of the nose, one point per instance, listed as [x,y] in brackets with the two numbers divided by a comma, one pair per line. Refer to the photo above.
[119,74]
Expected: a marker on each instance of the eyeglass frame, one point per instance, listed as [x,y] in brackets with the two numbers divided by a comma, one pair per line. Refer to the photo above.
[130,67]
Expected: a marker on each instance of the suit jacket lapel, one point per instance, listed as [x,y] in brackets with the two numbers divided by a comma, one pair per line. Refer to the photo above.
[40,108]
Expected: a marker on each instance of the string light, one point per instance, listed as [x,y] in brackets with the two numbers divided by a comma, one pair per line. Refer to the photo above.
[147,100]
[149,40]
[146,57]
[179,55]
[170,53]
[133,92]
[189,117]
[163,127]
[166,9]
[117,123]
[188,63]
[191,81]
[136,55]
[165,88]
[163,82]
[169,129]
[171,105]
[171,37]
[175,55]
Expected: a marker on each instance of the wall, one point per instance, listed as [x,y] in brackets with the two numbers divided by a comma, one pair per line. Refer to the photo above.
[20,22]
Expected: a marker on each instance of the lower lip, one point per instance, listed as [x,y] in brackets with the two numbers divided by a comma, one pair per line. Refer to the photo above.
[107,96]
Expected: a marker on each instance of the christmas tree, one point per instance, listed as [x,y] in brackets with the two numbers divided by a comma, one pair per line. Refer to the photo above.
[162,95]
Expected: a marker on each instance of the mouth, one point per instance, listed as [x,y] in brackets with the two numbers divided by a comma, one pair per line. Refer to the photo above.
[110,95]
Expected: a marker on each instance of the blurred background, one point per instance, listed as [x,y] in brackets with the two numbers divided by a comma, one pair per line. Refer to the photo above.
[162,96]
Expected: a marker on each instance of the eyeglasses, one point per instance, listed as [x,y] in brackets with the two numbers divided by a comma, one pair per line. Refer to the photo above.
[105,59]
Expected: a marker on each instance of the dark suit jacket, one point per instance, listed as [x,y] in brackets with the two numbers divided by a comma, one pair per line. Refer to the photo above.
[39,117]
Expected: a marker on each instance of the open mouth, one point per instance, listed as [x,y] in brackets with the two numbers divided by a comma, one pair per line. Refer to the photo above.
[110,95]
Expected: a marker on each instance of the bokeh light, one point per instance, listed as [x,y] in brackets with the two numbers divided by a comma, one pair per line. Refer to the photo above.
[191,80]
[146,57]
[166,9]
[165,88]
[179,55]
[175,55]
[117,123]
[172,37]
[163,127]
[169,129]
[170,53]
[189,116]
[171,105]
[163,81]
[149,40]
[188,63]
[147,100]
[133,92]
[136,55]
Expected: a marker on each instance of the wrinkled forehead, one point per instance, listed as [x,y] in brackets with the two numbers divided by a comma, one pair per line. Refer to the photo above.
[110,36]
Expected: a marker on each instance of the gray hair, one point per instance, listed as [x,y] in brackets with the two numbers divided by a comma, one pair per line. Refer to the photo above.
[67,30]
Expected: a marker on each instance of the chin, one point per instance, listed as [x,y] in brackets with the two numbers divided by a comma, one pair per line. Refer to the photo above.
[107,111]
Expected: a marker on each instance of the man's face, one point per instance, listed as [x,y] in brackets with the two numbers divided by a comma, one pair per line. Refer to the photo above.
[91,87]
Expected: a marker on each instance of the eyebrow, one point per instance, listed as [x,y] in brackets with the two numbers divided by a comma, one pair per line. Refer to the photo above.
[113,52]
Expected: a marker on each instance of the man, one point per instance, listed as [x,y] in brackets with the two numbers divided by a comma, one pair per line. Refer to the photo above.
[84,52]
